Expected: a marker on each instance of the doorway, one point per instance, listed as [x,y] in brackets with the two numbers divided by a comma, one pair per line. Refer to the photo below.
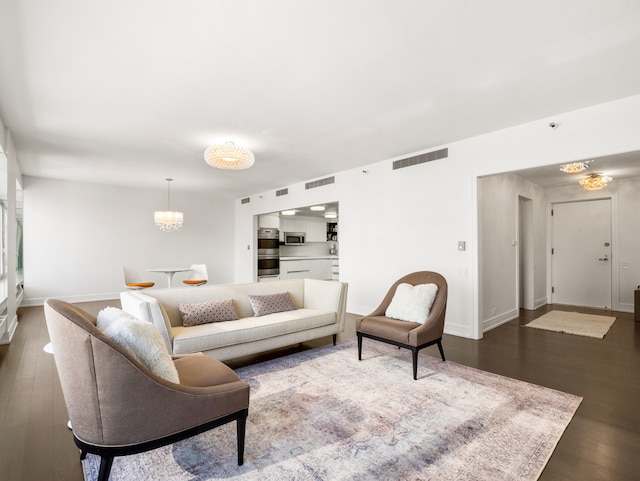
[581,266]
[525,254]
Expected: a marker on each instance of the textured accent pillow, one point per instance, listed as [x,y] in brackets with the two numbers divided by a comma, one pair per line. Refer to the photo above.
[207,312]
[140,339]
[270,303]
[412,303]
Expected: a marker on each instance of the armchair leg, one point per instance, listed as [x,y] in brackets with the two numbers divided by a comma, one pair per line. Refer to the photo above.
[359,346]
[414,356]
[241,428]
[105,468]
[441,351]
[335,339]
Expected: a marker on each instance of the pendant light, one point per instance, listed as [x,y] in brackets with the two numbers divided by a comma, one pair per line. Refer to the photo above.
[168,220]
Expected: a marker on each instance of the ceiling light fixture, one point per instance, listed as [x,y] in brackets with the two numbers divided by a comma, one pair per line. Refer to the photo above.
[317,208]
[229,157]
[168,220]
[574,167]
[329,215]
[288,212]
[595,181]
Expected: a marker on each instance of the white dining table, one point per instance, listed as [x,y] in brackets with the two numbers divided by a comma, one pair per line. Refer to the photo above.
[169,272]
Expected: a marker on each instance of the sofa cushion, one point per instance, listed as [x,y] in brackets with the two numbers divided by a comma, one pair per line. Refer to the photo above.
[141,340]
[412,303]
[206,312]
[270,303]
[219,334]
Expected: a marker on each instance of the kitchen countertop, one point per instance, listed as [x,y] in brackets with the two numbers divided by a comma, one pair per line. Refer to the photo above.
[295,258]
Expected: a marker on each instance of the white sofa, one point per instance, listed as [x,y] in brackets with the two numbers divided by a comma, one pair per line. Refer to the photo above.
[320,311]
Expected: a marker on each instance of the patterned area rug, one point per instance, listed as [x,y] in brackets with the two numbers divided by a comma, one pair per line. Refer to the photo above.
[574,323]
[322,415]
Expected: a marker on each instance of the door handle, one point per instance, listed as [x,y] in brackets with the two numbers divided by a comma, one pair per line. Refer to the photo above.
[605,258]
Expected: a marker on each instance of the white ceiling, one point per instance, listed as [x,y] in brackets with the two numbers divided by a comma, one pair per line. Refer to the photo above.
[129,93]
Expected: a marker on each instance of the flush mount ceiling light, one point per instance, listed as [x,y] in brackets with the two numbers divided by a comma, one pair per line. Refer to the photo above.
[330,215]
[168,220]
[318,208]
[595,181]
[288,212]
[229,157]
[574,167]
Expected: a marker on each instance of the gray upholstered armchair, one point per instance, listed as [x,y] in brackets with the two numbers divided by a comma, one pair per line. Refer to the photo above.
[117,407]
[410,335]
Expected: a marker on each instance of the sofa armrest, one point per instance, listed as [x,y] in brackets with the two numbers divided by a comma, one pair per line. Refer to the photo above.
[328,296]
[147,308]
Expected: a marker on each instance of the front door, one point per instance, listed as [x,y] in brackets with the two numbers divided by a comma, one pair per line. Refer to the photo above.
[581,253]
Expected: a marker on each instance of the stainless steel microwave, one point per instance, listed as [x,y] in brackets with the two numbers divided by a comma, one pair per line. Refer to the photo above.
[294,238]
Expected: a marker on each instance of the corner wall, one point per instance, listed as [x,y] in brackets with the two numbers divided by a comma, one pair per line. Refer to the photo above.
[395,222]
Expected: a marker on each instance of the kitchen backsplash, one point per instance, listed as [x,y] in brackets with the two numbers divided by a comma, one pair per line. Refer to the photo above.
[309,249]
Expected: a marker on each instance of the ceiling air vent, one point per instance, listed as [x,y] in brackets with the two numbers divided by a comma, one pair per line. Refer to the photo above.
[282,192]
[246,200]
[319,183]
[421,159]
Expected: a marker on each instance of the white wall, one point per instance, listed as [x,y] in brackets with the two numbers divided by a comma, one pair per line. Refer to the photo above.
[394,222]
[77,236]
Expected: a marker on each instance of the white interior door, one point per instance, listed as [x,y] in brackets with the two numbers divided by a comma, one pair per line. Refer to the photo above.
[581,255]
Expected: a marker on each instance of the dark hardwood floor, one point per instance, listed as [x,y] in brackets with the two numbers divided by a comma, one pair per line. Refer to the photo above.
[602,442]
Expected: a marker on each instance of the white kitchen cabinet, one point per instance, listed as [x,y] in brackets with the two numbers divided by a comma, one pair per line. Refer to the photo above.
[316,231]
[321,269]
[295,269]
[269,221]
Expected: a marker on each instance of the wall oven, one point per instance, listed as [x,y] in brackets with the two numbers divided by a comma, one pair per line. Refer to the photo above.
[268,254]
[268,266]
[268,242]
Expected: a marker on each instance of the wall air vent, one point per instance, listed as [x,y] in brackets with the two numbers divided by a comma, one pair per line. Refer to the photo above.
[282,192]
[421,159]
[246,200]
[319,183]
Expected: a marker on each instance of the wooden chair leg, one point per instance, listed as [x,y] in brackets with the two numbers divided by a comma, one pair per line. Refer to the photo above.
[105,468]
[441,351]
[241,428]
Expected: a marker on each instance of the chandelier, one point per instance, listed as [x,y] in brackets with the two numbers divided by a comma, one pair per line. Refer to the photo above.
[168,220]
[595,181]
[229,157]
[574,167]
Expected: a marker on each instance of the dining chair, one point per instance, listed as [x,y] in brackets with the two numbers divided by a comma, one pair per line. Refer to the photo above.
[132,279]
[198,275]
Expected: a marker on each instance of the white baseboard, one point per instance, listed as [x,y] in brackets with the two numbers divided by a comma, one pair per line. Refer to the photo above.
[11,329]
[498,320]
[538,303]
[39,301]
[626,307]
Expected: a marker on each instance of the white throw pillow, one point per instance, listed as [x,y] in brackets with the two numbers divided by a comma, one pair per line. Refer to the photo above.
[139,339]
[412,303]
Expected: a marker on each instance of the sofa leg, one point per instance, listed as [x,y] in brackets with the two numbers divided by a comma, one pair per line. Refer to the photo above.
[335,339]
[359,346]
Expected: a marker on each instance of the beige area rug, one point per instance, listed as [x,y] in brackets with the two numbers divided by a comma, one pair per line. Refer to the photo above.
[574,323]
[323,415]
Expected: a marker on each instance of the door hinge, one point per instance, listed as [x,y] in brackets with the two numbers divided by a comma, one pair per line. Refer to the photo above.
[552,251]
[551,212]
[553,290]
